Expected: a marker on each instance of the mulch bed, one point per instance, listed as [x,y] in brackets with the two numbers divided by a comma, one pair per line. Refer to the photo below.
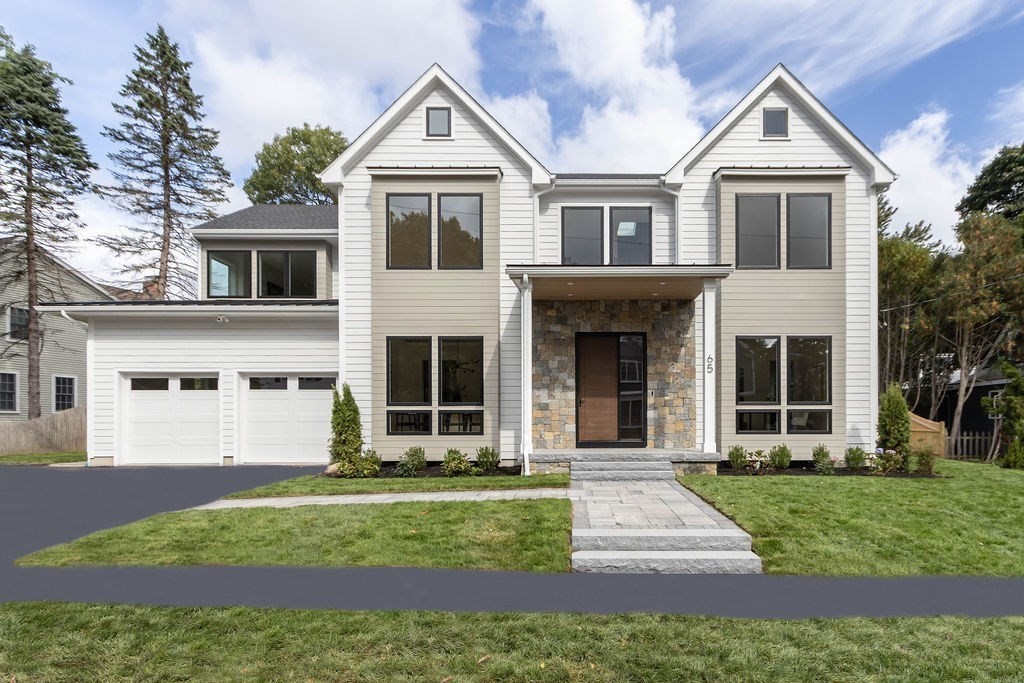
[800,470]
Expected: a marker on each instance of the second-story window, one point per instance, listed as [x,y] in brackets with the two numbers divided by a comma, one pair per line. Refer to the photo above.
[757,231]
[228,274]
[631,236]
[583,236]
[17,323]
[809,230]
[287,274]
[409,231]
[460,242]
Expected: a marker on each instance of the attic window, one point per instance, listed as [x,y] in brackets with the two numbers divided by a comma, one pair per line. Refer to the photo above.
[776,123]
[439,122]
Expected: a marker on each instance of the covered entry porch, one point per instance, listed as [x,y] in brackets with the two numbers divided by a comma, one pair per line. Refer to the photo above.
[618,360]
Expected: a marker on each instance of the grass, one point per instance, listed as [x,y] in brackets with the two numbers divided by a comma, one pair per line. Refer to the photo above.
[529,535]
[327,486]
[967,522]
[64,642]
[41,458]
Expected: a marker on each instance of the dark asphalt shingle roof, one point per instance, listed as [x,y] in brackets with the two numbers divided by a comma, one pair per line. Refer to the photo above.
[277,217]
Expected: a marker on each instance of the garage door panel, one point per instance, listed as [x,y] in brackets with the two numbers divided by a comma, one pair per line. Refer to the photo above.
[170,426]
[286,426]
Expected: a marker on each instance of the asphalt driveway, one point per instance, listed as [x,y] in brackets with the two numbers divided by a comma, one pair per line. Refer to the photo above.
[41,506]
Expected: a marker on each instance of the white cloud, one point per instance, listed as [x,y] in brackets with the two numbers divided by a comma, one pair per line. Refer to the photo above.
[932,173]
[528,120]
[828,44]
[620,53]
[1008,114]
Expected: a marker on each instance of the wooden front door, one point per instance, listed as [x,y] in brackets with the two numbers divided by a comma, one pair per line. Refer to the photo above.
[604,397]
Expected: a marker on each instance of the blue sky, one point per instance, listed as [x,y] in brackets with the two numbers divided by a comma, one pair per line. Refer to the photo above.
[934,87]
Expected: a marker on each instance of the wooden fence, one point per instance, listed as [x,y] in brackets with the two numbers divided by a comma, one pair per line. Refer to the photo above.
[970,446]
[62,432]
[927,434]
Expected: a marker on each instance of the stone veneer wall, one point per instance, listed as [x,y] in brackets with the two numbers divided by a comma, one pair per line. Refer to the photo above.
[671,387]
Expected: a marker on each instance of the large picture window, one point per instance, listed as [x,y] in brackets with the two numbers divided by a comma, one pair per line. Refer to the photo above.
[408,364]
[229,274]
[408,231]
[757,231]
[757,370]
[809,230]
[461,237]
[809,369]
[462,370]
[287,274]
[583,236]
[631,236]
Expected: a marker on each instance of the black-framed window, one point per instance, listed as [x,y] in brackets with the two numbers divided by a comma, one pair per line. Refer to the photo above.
[809,230]
[268,383]
[757,369]
[409,422]
[408,370]
[809,421]
[583,236]
[466,422]
[775,122]
[18,322]
[288,274]
[198,383]
[317,383]
[462,370]
[460,231]
[228,274]
[8,392]
[757,422]
[408,239]
[809,369]
[150,383]
[757,231]
[439,122]
[630,229]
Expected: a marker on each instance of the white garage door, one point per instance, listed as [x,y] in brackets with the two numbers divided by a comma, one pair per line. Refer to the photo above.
[171,420]
[286,418]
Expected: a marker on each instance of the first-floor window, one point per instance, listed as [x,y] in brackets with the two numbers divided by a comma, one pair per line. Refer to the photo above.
[462,370]
[757,422]
[461,422]
[408,422]
[8,392]
[63,393]
[809,369]
[757,369]
[408,379]
[809,422]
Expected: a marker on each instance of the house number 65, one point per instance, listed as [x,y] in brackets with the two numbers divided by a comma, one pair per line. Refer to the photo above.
[711,364]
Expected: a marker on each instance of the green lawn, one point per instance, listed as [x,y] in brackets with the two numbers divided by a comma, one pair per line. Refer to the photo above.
[326,486]
[71,642]
[41,458]
[967,522]
[529,535]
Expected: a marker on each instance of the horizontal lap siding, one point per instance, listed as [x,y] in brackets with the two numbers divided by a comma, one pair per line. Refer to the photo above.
[202,346]
[471,145]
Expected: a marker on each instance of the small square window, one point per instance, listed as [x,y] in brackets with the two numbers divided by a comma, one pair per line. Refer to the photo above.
[776,123]
[439,122]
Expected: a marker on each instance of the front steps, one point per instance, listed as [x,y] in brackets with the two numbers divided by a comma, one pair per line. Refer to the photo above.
[661,540]
[631,470]
[666,562]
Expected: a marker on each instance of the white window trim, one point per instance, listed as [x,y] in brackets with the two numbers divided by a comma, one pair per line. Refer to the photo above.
[17,393]
[7,328]
[776,138]
[74,395]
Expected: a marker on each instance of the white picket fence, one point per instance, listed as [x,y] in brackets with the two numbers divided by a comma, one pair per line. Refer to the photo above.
[62,432]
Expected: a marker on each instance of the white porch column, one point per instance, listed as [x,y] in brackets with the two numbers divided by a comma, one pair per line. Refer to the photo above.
[526,370]
[710,365]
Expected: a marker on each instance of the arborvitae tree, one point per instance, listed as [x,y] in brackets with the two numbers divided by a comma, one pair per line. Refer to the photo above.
[894,422]
[346,428]
[166,172]
[288,166]
[44,167]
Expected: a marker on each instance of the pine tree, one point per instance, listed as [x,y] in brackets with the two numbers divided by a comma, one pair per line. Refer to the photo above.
[44,167]
[166,172]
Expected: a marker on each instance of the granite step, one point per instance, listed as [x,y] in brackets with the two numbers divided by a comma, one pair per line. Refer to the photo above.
[623,475]
[606,465]
[666,562]
[660,539]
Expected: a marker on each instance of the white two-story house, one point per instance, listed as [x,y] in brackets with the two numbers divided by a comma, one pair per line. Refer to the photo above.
[470,296]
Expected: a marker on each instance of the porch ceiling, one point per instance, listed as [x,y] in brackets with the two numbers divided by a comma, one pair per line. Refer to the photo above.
[586,283]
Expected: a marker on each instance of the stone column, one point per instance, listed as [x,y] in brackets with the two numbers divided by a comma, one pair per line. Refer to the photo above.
[710,365]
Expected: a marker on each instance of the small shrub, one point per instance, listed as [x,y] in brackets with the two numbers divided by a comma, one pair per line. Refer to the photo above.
[779,457]
[757,462]
[456,464]
[823,463]
[1014,458]
[855,457]
[737,458]
[894,423]
[487,459]
[923,460]
[887,461]
[412,462]
[360,466]
[346,428]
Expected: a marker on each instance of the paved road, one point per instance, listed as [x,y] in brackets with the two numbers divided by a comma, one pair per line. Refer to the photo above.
[43,506]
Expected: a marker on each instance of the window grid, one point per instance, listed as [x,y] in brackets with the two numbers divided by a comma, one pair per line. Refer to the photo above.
[63,393]
[8,392]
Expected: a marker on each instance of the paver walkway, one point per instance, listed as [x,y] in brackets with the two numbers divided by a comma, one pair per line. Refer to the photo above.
[642,505]
[367,498]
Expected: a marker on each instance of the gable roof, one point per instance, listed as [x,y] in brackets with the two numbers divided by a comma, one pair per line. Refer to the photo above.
[5,242]
[432,78]
[881,174]
[277,217]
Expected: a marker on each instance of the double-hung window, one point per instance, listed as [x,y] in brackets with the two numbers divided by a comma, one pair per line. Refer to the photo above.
[8,392]
[287,274]
[757,384]
[17,322]
[63,393]
[757,231]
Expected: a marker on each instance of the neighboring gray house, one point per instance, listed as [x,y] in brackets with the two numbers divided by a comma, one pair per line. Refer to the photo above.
[470,296]
[62,371]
